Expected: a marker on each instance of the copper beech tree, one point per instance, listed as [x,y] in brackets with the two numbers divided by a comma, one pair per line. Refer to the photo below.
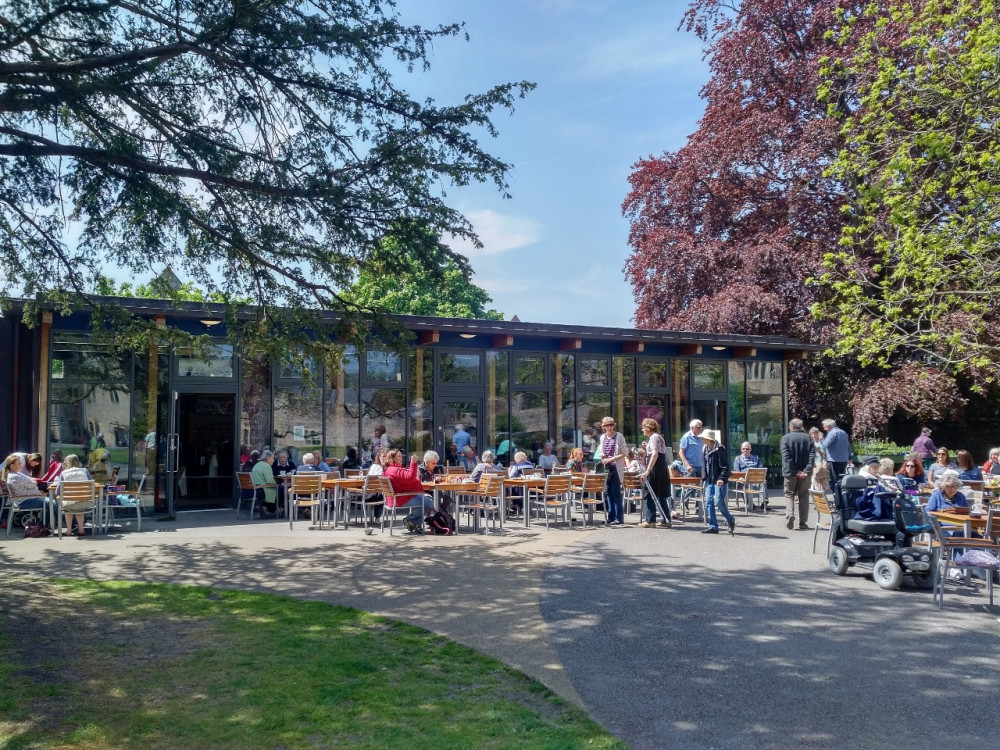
[729,231]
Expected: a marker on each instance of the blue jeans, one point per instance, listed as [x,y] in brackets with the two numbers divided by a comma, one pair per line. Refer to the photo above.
[613,497]
[715,496]
[425,501]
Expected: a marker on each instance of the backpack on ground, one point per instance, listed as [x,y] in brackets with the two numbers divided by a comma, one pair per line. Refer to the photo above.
[441,523]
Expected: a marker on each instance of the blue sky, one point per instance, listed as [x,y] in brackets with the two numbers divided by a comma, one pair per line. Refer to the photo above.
[616,82]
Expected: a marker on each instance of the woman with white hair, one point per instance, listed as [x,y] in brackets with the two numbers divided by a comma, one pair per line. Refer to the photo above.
[521,467]
[488,462]
[946,495]
[992,465]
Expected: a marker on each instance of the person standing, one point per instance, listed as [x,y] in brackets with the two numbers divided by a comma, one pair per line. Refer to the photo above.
[461,438]
[658,475]
[797,458]
[837,445]
[821,464]
[612,453]
[691,449]
[715,472]
[924,447]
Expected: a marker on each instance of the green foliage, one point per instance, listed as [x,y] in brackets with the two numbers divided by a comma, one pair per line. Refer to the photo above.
[878,448]
[917,268]
[261,149]
[412,273]
[195,668]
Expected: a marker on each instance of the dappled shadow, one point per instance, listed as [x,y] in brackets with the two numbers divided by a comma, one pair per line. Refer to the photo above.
[704,645]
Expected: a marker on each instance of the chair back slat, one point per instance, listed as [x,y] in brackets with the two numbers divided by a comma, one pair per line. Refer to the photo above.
[557,484]
[755,476]
[245,480]
[78,491]
[306,484]
[595,482]
[632,481]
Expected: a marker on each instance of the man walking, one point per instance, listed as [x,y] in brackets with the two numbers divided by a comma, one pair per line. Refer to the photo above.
[838,450]
[797,456]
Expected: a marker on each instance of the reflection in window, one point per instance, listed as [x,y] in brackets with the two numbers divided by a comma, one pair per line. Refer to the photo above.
[737,406]
[591,408]
[460,368]
[653,406]
[679,395]
[653,375]
[294,365]
[530,421]
[383,407]
[765,411]
[298,420]
[593,373]
[383,366]
[217,363]
[75,356]
[496,425]
[564,405]
[708,377]
[87,420]
[624,370]
[529,370]
[343,409]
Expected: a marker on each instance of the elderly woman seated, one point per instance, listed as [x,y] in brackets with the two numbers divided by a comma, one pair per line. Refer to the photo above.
[489,461]
[24,493]
[946,496]
[73,471]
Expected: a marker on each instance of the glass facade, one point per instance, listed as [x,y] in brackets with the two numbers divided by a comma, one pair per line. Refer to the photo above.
[117,410]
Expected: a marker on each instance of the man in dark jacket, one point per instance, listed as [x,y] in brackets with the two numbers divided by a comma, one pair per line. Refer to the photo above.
[797,456]
[715,472]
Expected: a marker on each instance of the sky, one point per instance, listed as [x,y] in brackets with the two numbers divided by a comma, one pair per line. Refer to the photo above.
[616,82]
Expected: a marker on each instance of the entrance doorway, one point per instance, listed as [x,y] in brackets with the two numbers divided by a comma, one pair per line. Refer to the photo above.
[204,451]
[712,413]
[457,422]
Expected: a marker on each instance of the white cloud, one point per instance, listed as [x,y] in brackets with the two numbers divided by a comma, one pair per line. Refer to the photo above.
[644,51]
[498,233]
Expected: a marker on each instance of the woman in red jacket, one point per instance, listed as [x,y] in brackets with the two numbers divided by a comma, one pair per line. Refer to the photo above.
[409,492]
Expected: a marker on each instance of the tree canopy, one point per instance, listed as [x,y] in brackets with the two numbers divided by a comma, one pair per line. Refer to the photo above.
[260,148]
[730,233]
[413,273]
[918,268]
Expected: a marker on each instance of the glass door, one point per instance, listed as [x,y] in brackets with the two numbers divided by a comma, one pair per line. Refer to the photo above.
[712,413]
[457,420]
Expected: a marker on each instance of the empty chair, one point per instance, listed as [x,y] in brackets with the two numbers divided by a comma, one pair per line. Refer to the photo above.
[587,493]
[128,502]
[304,492]
[367,498]
[555,496]
[483,501]
[822,507]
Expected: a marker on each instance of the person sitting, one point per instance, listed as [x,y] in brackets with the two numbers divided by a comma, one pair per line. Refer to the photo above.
[262,475]
[992,465]
[869,467]
[431,467]
[73,471]
[407,489]
[54,470]
[967,469]
[469,458]
[947,495]
[940,466]
[252,461]
[632,463]
[747,459]
[308,464]
[488,462]
[911,474]
[520,468]
[886,468]
[24,493]
[576,459]
[351,459]
[547,460]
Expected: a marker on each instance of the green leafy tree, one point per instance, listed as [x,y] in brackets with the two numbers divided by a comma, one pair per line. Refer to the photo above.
[413,273]
[261,148]
[917,269]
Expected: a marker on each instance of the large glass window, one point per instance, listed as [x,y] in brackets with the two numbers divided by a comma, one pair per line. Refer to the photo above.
[737,406]
[680,394]
[530,421]
[591,408]
[765,412]
[343,408]
[76,357]
[298,420]
[497,422]
[594,373]
[383,410]
[708,376]
[653,375]
[217,362]
[624,373]
[461,368]
[529,370]
[383,366]
[563,405]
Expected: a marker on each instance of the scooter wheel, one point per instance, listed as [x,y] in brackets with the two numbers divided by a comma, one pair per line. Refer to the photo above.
[839,561]
[887,574]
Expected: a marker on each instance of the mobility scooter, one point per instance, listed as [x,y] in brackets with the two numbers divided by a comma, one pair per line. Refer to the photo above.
[881,539]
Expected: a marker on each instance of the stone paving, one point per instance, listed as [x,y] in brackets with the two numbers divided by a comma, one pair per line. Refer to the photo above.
[668,638]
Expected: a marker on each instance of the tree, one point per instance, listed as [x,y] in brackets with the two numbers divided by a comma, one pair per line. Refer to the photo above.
[729,233]
[413,273]
[262,148]
[917,269]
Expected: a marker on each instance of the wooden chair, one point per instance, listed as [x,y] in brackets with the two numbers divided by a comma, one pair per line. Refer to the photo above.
[353,472]
[245,482]
[305,491]
[587,492]
[555,495]
[83,497]
[822,506]
[632,491]
[483,501]
[946,547]
[128,501]
[752,487]
[398,499]
[454,469]
[367,498]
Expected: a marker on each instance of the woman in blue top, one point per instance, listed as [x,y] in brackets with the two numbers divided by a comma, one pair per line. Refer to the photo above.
[947,495]
[940,466]
[967,469]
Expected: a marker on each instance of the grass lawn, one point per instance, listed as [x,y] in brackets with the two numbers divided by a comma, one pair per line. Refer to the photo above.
[97,665]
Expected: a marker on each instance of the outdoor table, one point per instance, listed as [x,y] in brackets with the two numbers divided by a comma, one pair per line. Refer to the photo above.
[968,522]
[335,486]
[524,483]
[453,483]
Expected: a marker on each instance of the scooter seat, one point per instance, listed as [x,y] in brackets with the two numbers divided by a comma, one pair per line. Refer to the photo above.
[872,527]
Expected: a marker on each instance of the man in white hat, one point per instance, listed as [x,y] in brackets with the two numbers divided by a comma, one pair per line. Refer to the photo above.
[715,472]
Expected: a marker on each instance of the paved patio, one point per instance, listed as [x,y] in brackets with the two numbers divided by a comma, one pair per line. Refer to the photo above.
[668,638]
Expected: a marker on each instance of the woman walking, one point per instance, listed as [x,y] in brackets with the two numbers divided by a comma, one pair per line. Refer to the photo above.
[657,474]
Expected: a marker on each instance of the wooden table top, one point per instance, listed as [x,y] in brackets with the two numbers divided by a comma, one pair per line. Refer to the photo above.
[451,484]
[329,484]
[977,523]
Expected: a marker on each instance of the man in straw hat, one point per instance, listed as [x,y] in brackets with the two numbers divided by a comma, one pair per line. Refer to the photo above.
[715,472]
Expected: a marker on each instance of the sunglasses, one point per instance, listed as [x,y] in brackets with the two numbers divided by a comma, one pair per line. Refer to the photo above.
[910,466]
